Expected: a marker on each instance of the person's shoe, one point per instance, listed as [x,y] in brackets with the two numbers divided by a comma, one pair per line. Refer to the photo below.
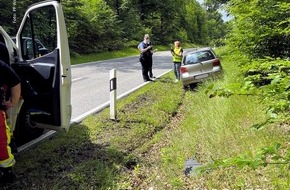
[153,77]
[176,81]
[146,80]
[6,175]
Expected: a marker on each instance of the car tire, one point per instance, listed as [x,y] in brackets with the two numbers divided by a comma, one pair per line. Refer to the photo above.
[185,87]
[193,86]
[25,129]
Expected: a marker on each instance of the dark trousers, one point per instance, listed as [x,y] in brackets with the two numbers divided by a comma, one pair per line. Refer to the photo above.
[150,63]
[145,70]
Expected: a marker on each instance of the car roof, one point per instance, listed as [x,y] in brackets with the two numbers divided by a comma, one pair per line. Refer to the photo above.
[200,49]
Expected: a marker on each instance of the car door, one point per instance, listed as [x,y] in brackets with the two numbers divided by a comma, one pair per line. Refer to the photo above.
[45,75]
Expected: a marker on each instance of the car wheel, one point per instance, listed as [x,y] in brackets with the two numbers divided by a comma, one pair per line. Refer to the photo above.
[25,129]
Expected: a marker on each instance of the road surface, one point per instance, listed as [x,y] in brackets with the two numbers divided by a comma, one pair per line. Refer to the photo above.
[90,81]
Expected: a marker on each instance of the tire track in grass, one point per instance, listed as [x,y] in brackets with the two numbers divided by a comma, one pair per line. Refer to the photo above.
[142,177]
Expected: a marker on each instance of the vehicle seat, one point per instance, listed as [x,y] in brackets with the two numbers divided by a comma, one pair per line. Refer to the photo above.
[4,54]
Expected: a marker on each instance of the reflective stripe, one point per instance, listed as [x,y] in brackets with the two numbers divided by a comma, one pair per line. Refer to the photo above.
[6,157]
[7,163]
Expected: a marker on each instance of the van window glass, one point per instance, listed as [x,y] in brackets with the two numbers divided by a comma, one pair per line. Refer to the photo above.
[39,36]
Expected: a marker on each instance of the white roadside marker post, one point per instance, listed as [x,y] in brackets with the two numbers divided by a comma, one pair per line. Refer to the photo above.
[113,94]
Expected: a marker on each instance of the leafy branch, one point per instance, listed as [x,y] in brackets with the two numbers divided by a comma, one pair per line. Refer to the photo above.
[275,154]
[267,78]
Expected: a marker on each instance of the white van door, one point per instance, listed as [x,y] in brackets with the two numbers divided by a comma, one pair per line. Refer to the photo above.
[44,67]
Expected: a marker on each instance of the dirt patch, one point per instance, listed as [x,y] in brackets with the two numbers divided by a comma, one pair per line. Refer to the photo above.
[141,101]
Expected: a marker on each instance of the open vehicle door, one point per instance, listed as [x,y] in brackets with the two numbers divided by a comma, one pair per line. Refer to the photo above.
[44,68]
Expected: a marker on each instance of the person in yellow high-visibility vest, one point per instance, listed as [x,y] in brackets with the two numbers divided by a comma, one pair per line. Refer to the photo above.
[177,54]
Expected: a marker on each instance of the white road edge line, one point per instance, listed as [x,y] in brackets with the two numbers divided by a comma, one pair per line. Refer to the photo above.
[77,79]
[80,118]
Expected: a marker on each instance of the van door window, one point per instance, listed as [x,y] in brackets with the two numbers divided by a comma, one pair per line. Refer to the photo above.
[38,36]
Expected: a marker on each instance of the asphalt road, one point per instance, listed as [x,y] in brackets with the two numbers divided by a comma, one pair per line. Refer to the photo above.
[90,81]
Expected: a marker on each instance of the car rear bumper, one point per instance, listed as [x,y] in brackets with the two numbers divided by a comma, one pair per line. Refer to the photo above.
[187,80]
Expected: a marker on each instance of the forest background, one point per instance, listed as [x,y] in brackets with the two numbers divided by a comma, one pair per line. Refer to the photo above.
[105,25]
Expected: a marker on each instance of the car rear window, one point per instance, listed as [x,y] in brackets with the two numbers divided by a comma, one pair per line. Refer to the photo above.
[198,57]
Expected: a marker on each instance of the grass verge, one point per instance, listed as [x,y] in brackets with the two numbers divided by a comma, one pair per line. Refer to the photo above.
[158,128]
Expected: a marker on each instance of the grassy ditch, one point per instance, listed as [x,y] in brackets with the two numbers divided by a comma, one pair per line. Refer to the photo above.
[216,129]
[158,128]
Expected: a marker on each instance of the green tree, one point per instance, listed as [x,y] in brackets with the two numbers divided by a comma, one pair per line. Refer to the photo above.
[194,22]
[101,25]
[77,26]
[12,13]
[6,14]
[115,5]
[261,28]
[216,25]
[105,30]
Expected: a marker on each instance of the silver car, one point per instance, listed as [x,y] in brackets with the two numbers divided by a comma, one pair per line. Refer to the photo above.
[198,65]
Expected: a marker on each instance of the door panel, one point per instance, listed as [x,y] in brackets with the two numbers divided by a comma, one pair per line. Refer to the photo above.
[41,91]
[44,66]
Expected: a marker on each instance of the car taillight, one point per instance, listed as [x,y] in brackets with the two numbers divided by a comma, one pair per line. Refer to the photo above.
[216,62]
[183,70]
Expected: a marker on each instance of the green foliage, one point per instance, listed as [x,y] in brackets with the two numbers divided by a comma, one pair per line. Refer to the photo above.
[92,26]
[261,28]
[6,14]
[260,36]
[194,21]
[274,154]
[12,12]
[268,79]
[106,25]
[216,27]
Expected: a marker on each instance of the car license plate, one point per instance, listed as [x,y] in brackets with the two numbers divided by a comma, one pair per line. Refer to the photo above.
[201,76]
